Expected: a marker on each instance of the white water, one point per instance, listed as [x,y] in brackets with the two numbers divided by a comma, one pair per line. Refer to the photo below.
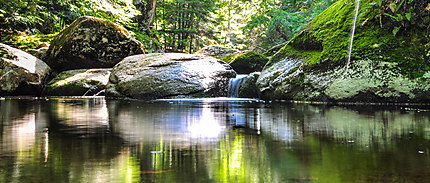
[234,85]
[354,21]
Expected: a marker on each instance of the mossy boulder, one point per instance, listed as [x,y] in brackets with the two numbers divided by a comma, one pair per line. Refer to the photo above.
[91,43]
[217,51]
[247,62]
[80,82]
[169,75]
[386,66]
[20,72]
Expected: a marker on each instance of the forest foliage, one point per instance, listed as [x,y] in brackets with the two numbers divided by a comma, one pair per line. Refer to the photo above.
[170,25]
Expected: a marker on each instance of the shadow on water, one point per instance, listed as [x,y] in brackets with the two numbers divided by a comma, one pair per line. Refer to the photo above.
[210,140]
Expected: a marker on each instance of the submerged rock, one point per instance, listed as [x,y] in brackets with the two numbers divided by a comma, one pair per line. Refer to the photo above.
[80,82]
[20,72]
[169,75]
[384,67]
[91,43]
[247,62]
[217,51]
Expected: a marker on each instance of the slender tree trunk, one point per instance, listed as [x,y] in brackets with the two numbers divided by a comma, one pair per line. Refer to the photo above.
[148,8]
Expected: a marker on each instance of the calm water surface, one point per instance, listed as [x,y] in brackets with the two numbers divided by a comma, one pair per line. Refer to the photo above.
[210,140]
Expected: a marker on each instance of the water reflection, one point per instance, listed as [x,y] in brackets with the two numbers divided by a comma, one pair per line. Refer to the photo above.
[78,117]
[98,140]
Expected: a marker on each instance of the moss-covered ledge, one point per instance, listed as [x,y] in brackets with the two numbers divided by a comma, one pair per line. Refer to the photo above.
[329,34]
[390,59]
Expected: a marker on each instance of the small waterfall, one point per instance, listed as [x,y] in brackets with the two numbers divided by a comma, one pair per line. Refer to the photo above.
[234,85]
[354,21]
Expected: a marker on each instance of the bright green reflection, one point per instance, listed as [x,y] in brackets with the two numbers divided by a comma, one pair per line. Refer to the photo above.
[72,140]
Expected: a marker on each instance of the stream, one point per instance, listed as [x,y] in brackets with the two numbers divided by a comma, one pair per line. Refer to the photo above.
[93,139]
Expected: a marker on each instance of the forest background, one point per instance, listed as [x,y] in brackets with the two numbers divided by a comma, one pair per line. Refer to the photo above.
[165,25]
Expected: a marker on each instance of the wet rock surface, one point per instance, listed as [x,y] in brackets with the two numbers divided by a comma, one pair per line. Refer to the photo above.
[91,43]
[169,75]
[248,87]
[20,72]
[366,81]
[80,82]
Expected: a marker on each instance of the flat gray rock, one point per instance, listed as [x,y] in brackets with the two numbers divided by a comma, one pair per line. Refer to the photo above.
[169,75]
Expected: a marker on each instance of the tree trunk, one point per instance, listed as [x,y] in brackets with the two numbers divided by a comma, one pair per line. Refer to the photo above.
[148,9]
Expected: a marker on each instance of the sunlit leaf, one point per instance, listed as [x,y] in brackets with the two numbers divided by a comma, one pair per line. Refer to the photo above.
[400,5]
[392,7]
[395,30]
[408,16]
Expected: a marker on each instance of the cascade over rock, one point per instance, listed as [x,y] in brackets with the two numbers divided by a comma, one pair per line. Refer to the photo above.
[20,72]
[384,67]
[244,86]
[91,42]
[169,75]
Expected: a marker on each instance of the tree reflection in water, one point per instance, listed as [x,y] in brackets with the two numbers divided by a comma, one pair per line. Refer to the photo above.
[209,140]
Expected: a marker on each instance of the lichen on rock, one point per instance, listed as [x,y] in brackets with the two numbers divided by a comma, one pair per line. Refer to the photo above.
[169,75]
[91,42]
[80,82]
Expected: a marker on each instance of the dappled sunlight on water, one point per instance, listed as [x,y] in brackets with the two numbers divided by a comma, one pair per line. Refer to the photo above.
[210,140]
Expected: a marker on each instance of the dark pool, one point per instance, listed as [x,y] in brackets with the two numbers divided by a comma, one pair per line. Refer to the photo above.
[210,140]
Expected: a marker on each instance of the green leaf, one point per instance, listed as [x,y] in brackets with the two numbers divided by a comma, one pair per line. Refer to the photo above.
[395,30]
[400,5]
[392,7]
[393,17]
[399,17]
[408,16]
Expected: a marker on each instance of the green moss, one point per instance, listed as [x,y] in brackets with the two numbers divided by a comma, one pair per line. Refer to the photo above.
[326,39]
[26,42]
[272,51]
[247,62]
[85,21]
[110,25]
[247,56]
[310,57]
[227,58]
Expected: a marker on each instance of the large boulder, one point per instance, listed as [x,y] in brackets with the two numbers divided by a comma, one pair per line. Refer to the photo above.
[169,75]
[80,82]
[91,43]
[20,72]
[217,51]
[388,64]
[247,62]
